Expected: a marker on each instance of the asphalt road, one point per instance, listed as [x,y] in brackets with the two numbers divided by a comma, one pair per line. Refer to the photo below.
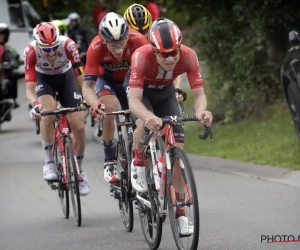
[236,210]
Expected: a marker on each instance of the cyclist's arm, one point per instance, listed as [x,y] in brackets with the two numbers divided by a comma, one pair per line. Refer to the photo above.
[88,93]
[136,106]
[91,72]
[73,55]
[30,73]
[200,102]
[30,92]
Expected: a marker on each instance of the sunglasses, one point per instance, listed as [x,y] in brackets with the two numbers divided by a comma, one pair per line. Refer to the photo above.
[48,50]
[165,55]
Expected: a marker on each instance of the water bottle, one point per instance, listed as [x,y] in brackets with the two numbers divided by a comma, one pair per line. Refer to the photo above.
[157,168]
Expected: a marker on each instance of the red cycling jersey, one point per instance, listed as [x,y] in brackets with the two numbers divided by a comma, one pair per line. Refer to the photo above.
[100,61]
[68,57]
[145,69]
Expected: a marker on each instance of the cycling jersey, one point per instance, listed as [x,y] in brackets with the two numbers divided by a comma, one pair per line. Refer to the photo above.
[145,69]
[101,62]
[68,57]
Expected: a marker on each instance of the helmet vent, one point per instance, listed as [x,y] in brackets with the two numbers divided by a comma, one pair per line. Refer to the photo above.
[165,35]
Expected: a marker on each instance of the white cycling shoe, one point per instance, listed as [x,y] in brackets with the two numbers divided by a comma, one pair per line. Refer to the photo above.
[49,171]
[110,173]
[186,227]
[138,178]
[84,187]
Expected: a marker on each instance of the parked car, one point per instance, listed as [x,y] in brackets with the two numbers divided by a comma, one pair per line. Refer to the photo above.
[290,78]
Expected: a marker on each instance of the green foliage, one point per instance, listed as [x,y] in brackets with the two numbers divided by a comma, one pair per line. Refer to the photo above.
[242,44]
[268,140]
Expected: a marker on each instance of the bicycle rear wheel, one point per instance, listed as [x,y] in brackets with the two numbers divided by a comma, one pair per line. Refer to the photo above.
[73,180]
[125,201]
[63,192]
[186,186]
[150,218]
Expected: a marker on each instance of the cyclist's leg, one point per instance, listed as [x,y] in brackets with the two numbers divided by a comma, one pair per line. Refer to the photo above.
[44,93]
[69,96]
[106,93]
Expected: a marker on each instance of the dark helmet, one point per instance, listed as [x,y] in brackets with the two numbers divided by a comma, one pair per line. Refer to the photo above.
[4,30]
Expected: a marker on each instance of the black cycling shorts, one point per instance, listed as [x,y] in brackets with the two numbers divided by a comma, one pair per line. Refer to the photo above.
[65,84]
[162,102]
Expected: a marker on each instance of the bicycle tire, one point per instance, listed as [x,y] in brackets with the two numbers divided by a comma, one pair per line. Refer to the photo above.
[63,192]
[151,221]
[125,202]
[184,242]
[73,180]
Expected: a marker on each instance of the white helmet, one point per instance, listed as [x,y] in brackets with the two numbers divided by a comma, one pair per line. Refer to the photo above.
[113,28]
[74,16]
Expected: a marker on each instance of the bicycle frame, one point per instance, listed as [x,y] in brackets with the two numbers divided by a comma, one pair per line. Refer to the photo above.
[169,143]
[61,132]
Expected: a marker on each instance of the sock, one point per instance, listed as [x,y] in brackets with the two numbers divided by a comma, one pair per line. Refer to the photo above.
[109,153]
[180,211]
[139,158]
[79,156]
[47,146]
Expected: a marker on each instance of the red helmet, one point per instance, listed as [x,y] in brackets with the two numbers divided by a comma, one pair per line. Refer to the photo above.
[164,35]
[46,34]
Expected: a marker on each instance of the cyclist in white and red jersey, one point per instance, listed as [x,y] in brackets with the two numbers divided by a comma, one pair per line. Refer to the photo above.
[152,95]
[108,60]
[51,64]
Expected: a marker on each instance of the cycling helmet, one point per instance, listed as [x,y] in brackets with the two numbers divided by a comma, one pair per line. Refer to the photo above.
[4,30]
[74,17]
[113,28]
[62,27]
[138,17]
[46,33]
[164,35]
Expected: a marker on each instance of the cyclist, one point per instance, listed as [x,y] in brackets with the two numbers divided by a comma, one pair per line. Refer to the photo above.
[152,94]
[62,27]
[139,18]
[108,60]
[50,63]
[76,33]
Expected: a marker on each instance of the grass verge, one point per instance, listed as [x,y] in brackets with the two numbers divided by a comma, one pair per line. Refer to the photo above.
[268,139]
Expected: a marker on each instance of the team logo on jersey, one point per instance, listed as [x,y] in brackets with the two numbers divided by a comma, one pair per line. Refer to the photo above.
[115,66]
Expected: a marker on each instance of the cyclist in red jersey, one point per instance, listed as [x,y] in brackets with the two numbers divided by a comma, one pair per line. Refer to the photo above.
[108,61]
[139,18]
[50,63]
[151,93]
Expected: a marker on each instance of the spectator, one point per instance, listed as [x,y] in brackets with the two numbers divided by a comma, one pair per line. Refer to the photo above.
[153,9]
[96,11]
[102,13]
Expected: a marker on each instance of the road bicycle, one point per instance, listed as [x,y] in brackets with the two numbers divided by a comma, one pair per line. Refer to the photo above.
[122,191]
[66,162]
[168,171]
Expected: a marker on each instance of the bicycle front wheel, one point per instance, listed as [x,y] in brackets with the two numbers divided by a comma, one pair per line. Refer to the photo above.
[73,180]
[63,191]
[125,200]
[183,202]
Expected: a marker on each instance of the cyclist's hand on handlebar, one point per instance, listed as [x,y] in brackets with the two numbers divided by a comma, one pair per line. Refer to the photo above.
[153,123]
[205,117]
[34,112]
[98,110]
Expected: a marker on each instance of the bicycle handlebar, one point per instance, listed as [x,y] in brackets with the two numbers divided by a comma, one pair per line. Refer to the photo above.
[61,111]
[100,124]
[171,120]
